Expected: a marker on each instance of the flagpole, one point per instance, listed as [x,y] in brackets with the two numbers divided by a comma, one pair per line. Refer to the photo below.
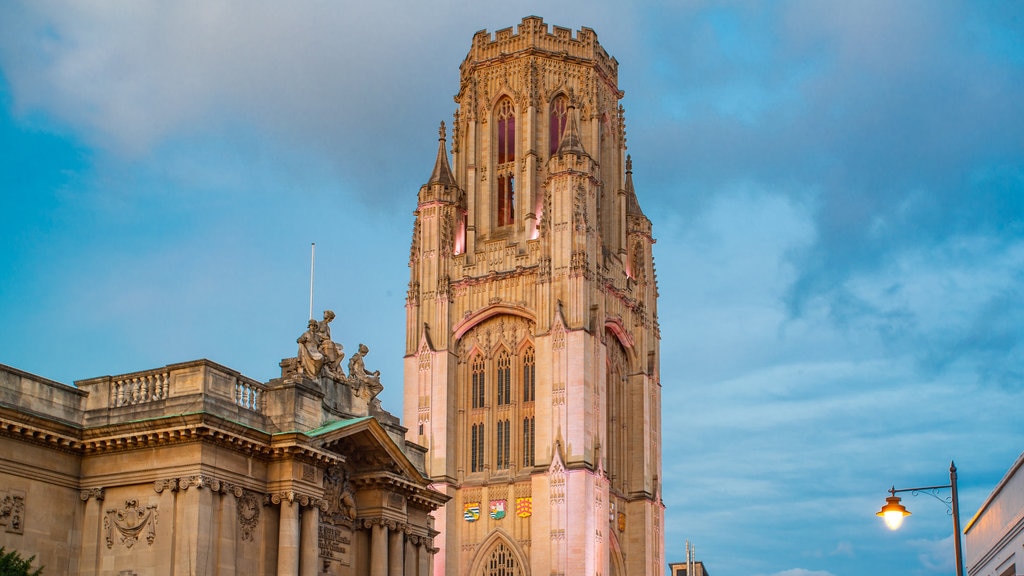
[312,264]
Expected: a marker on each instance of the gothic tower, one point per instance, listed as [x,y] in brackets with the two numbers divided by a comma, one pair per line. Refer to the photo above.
[532,339]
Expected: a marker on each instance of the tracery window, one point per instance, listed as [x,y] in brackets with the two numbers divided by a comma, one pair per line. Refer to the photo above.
[557,119]
[477,382]
[502,562]
[494,425]
[529,375]
[506,145]
[504,378]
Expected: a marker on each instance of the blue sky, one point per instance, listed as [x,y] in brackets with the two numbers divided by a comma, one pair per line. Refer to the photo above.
[837,192]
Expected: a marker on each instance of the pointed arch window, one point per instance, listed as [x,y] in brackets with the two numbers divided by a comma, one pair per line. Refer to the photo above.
[501,562]
[504,378]
[557,119]
[529,375]
[477,381]
[506,144]
[506,114]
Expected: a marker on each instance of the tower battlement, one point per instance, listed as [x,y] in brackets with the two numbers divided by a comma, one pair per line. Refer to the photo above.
[534,34]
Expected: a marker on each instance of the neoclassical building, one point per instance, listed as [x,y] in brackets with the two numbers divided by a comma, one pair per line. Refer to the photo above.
[194,468]
[532,338]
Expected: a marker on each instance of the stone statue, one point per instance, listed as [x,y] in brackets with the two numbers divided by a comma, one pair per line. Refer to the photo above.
[333,352]
[365,384]
[318,354]
[311,361]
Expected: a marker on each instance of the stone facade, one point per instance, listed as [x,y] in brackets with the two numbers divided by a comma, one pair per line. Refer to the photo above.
[532,339]
[195,469]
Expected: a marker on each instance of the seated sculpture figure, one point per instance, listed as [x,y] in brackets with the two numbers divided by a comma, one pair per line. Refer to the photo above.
[311,360]
[333,352]
[365,384]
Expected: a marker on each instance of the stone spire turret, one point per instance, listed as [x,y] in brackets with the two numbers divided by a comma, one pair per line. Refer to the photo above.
[442,173]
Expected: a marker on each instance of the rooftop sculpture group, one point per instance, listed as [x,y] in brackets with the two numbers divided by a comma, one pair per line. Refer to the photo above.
[321,357]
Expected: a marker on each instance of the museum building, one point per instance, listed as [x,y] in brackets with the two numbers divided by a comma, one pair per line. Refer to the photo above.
[194,468]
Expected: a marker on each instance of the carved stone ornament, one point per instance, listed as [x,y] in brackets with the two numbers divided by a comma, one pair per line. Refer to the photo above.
[130,522]
[12,511]
[248,514]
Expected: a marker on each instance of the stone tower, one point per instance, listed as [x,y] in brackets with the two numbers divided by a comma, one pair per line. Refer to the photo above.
[532,339]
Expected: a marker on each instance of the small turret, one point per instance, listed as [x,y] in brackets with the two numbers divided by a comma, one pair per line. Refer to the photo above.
[442,173]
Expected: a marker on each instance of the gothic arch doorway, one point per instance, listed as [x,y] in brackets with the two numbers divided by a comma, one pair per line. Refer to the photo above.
[500,556]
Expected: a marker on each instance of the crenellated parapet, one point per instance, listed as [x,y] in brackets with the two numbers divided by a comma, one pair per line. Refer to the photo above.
[535,35]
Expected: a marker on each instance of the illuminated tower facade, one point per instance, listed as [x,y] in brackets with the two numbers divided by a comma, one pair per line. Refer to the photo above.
[532,339]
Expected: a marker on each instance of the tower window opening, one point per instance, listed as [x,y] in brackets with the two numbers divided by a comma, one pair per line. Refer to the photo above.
[529,440]
[506,132]
[476,443]
[529,376]
[503,445]
[506,200]
[506,143]
[504,378]
[477,381]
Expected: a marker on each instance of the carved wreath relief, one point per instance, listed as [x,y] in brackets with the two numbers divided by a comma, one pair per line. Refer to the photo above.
[248,514]
[129,522]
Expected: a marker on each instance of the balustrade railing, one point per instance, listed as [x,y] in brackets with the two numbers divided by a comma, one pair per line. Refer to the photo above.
[140,388]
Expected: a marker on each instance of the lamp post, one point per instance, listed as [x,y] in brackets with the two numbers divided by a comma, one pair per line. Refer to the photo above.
[893,512]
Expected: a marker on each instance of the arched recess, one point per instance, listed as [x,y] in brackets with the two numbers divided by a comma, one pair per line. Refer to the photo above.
[479,316]
[616,565]
[615,327]
[500,555]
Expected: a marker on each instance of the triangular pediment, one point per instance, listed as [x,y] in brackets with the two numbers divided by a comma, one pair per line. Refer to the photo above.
[365,444]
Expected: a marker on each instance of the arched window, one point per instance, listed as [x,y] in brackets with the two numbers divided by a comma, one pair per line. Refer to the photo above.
[557,119]
[501,562]
[506,143]
[477,381]
[504,378]
[506,131]
[529,375]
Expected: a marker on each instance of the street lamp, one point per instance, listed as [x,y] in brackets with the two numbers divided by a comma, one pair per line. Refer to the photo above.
[893,512]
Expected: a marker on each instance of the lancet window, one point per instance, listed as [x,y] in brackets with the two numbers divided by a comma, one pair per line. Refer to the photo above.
[476,459]
[505,117]
[477,382]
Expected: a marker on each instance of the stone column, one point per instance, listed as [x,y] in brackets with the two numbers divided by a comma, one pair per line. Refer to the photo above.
[410,556]
[378,550]
[288,540]
[226,534]
[425,558]
[310,546]
[92,529]
[395,549]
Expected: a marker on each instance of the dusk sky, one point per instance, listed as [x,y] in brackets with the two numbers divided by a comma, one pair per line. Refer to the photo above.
[836,188]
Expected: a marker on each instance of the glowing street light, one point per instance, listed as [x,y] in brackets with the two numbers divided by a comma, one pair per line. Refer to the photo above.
[893,512]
